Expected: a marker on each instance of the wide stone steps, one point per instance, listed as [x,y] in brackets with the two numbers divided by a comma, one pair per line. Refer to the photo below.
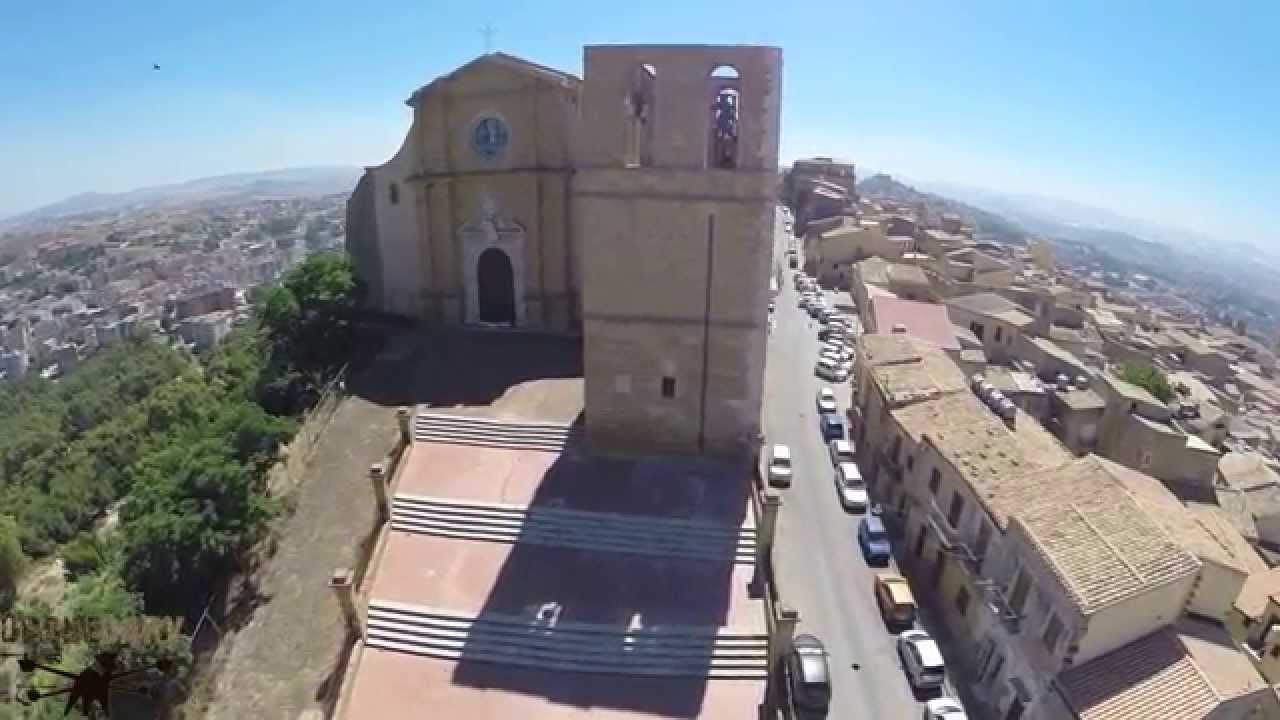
[490,432]
[578,529]
[526,641]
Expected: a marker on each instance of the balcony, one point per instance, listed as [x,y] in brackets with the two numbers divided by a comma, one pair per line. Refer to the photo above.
[952,541]
[995,600]
[890,466]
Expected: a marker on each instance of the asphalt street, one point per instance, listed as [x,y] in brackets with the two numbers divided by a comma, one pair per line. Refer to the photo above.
[818,565]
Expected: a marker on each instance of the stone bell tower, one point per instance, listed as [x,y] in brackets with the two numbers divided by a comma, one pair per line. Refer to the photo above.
[674,197]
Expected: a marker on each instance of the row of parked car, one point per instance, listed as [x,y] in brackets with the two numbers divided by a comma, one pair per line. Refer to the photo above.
[808,675]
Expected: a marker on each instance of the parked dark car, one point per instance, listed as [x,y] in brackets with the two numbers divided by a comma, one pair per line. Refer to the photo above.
[874,540]
[832,426]
[809,677]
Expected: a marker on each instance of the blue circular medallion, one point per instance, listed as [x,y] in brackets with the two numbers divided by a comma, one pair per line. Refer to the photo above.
[489,136]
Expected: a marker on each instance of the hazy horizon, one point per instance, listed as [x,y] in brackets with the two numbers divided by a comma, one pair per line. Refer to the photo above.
[1070,103]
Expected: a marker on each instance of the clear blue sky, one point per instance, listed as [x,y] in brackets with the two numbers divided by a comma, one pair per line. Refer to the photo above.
[1170,112]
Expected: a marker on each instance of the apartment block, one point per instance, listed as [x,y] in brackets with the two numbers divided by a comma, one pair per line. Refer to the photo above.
[1050,570]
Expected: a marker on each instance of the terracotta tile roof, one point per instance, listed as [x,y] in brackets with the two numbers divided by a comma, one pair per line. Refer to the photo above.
[1097,539]
[1258,587]
[996,461]
[1181,672]
[873,271]
[993,305]
[909,370]
[1203,530]
[1245,471]
[902,274]
[924,321]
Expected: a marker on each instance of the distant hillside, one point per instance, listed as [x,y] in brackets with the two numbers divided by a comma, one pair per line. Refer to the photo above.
[985,223]
[290,182]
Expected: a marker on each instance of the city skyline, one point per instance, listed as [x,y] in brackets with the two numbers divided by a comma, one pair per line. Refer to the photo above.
[1095,107]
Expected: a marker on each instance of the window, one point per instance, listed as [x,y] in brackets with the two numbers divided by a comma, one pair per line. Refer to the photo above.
[956,510]
[993,670]
[668,387]
[1144,459]
[984,540]
[911,462]
[1275,651]
[977,329]
[935,479]
[1052,632]
[962,601]
[722,147]
[998,330]
[639,122]
[393,194]
[1021,586]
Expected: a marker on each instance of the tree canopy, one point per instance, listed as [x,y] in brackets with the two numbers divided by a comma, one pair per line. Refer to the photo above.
[145,468]
[1148,378]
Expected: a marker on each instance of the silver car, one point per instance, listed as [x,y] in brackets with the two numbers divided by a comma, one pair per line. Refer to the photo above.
[850,487]
[921,659]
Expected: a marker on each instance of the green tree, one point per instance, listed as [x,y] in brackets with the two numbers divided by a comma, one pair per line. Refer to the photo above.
[85,554]
[1148,378]
[102,596]
[12,562]
[192,513]
[310,315]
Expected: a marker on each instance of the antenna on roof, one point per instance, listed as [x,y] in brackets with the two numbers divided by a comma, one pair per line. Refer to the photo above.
[487,31]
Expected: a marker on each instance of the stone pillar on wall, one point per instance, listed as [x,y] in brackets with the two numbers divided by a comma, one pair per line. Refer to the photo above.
[780,639]
[342,582]
[404,416]
[381,493]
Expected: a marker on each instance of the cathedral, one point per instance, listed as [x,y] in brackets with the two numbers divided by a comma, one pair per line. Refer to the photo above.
[632,206]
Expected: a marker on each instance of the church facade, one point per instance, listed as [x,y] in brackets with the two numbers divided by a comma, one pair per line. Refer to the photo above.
[633,206]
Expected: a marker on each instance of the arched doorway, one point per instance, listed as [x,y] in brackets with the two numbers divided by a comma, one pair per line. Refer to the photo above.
[497,287]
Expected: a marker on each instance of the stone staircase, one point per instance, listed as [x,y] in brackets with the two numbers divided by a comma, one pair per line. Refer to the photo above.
[545,644]
[579,529]
[490,432]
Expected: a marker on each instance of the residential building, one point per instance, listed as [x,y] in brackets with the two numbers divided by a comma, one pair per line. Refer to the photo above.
[204,302]
[1044,563]
[1041,252]
[878,276]
[817,188]
[1248,487]
[997,321]
[831,251]
[1189,670]
[206,331]
[1137,431]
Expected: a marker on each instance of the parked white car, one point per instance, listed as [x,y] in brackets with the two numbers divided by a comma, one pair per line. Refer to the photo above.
[921,660]
[827,401]
[780,466]
[841,451]
[831,370]
[944,708]
[837,349]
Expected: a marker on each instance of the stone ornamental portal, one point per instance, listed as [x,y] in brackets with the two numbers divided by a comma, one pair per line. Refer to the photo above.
[493,269]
